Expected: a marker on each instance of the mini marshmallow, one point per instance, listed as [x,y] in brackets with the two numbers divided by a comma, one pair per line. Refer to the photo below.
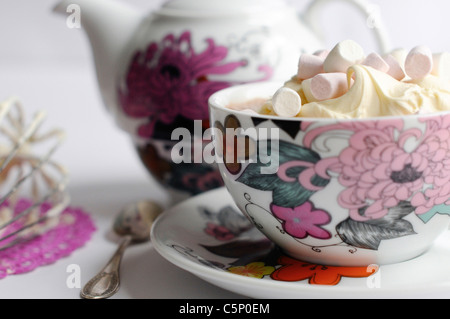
[375,61]
[322,54]
[286,102]
[329,85]
[395,69]
[419,62]
[400,55]
[306,88]
[441,65]
[343,55]
[309,65]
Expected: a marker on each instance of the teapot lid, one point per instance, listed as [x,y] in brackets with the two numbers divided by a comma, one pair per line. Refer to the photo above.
[220,7]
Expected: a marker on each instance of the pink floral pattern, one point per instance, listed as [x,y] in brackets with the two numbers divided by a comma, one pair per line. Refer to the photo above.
[169,79]
[386,163]
[303,221]
[219,232]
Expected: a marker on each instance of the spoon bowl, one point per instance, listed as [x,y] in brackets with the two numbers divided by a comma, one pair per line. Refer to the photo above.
[133,224]
[136,219]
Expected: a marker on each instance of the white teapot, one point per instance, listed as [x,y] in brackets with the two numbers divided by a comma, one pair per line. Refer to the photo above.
[156,71]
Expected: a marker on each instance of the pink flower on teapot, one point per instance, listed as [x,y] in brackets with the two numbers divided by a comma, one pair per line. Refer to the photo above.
[170,79]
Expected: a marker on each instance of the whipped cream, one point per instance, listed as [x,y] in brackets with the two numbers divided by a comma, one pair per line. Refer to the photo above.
[372,89]
[375,93]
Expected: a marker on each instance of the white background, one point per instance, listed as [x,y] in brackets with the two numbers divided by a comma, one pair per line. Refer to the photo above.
[49,67]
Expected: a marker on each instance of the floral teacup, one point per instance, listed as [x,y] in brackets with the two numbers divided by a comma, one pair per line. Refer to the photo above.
[336,192]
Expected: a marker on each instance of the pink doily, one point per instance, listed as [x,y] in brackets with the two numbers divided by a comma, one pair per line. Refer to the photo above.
[72,231]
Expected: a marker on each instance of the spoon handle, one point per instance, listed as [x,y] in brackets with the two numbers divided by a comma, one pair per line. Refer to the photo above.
[106,283]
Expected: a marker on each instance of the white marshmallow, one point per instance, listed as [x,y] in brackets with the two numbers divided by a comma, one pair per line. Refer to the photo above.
[327,86]
[419,62]
[375,61]
[286,102]
[441,65]
[309,65]
[342,56]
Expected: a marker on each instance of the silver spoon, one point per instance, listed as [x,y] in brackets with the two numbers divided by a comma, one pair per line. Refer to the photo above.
[133,223]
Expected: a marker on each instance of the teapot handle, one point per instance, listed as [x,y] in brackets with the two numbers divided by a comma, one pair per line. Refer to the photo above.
[374,20]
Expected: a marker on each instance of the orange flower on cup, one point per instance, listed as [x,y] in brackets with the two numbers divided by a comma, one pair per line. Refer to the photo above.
[295,270]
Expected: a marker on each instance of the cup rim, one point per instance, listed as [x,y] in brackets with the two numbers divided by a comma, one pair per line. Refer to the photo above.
[215,102]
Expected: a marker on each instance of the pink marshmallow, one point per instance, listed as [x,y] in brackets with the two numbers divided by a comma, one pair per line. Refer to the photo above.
[395,69]
[327,86]
[419,62]
[375,61]
[309,65]
[322,53]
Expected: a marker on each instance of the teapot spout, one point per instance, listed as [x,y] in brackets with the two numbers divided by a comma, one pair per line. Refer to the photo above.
[109,25]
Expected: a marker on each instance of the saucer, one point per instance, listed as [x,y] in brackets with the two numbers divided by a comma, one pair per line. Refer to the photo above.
[209,237]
